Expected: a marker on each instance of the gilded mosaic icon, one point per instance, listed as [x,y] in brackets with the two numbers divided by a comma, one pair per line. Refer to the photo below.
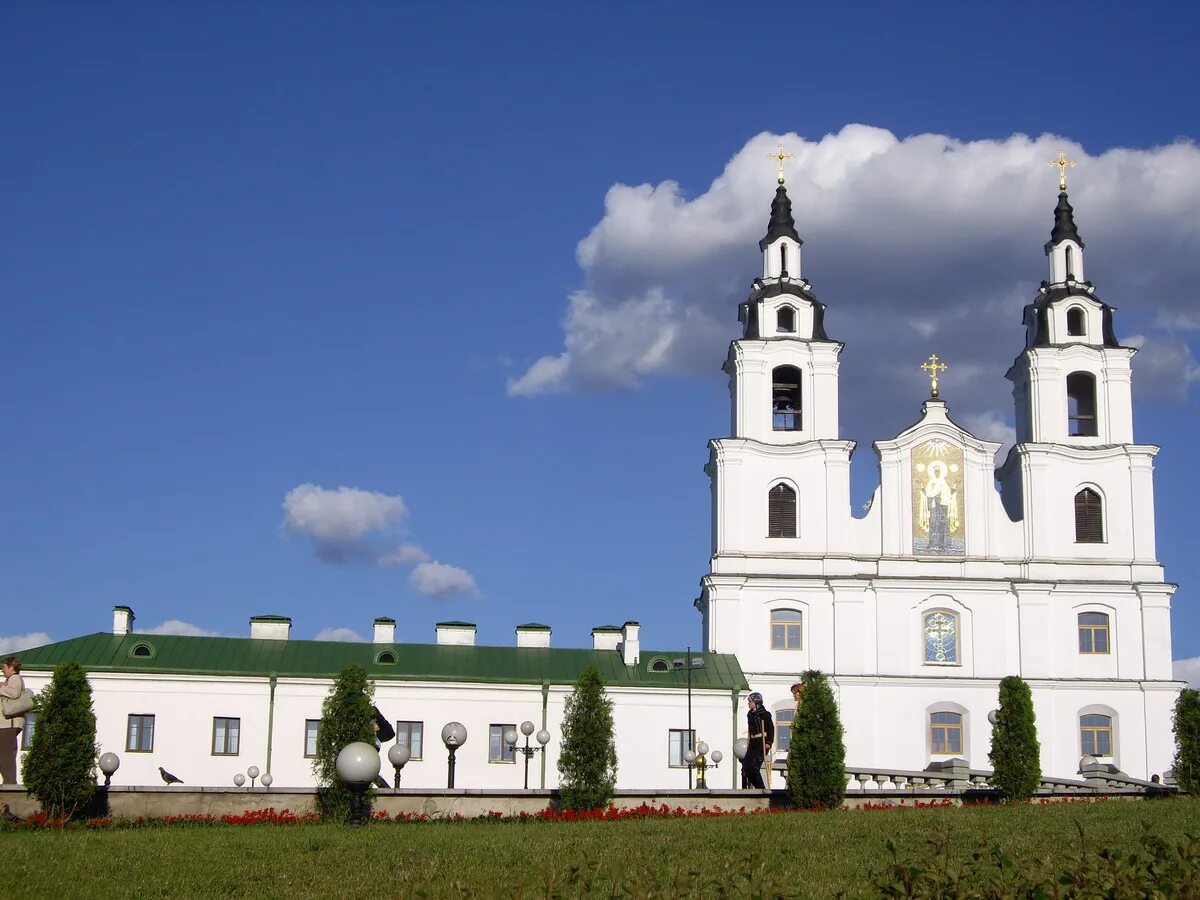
[937,490]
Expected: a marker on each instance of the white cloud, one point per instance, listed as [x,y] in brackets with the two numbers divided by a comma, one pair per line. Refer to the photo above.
[435,579]
[918,245]
[186,629]
[1188,670]
[341,522]
[404,555]
[14,642]
[339,634]
[1164,367]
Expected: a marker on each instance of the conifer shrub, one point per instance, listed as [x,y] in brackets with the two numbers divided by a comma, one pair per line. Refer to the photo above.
[1187,741]
[1015,753]
[347,715]
[816,758]
[60,768]
[587,762]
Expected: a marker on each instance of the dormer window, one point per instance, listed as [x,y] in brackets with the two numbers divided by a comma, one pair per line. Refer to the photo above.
[1076,326]
[785,320]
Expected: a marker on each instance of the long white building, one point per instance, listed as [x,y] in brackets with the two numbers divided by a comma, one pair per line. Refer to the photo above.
[916,609]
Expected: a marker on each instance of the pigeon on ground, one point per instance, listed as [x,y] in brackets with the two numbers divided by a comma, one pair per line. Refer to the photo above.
[9,816]
[168,777]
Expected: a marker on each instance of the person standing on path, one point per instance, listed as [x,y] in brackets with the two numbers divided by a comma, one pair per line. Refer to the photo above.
[761,734]
[10,729]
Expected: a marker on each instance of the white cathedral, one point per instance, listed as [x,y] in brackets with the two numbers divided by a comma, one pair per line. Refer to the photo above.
[916,610]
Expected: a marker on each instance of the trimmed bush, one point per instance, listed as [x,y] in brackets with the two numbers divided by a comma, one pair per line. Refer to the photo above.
[60,769]
[347,715]
[817,754]
[1015,753]
[587,763]
[1187,741]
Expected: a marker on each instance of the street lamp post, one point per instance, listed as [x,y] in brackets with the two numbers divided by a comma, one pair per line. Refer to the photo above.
[109,763]
[700,760]
[398,756]
[252,772]
[454,735]
[358,765]
[543,738]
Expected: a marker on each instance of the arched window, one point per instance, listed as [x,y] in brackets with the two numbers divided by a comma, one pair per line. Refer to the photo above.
[660,665]
[783,259]
[142,650]
[386,658]
[787,632]
[940,631]
[1089,517]
[783,729]
[781,512]
[1076,322]
[1070,259]
[1093,632]
[785,399]
[1081,404]
[946,733]
[785,319]
[1095,735]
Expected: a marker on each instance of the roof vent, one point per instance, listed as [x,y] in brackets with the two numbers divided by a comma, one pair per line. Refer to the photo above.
[270,628]
[385,630]
[122,620]
[533,634]
[460,634]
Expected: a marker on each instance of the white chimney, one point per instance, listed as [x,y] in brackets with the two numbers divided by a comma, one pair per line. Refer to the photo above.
[460,634]
[631,647]
[385,630]
[533,634]
[606,637]
[270,628]
[122,620]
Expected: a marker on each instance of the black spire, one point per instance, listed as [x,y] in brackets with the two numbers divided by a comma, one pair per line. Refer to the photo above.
[782,223]
[1064,223]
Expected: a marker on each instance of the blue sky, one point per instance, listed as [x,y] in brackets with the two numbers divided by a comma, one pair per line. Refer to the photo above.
[249,248]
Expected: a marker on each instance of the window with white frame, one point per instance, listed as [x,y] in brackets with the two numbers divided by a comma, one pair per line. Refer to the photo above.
[498,750]
[139,736]
[226,736]
[946,733]
[939,630]
[1096,735]
[681,740]
[785,319]
[412,736]
[787,632]
[783,729]
[310,737]
[1093,632]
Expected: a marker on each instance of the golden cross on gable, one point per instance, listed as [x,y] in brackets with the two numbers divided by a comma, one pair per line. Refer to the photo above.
[933,367]
[1063,164]
[779,156]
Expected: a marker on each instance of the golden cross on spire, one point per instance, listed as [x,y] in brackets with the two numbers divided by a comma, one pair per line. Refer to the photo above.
[933,367]
[1063,164]
[779,156]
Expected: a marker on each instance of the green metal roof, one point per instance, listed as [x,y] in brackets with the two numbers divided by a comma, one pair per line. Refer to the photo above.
[180,655]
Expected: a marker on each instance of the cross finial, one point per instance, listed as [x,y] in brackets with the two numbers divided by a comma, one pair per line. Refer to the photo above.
[933,367]
[1063,164]
[779,156]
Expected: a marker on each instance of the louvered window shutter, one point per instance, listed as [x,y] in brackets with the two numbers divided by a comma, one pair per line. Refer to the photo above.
[1089,525]
[781,512]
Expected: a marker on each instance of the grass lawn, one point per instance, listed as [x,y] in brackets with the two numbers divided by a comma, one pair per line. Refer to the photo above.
[792,854]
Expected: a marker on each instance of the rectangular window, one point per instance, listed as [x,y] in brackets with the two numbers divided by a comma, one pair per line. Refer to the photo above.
[786,629]
[140,737]
[27,734]
[310,737]
[945,733]
[1095,735]
[681,740]
[783,729]
[1093,633]
[226,736]
[498,750]
[412,736]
